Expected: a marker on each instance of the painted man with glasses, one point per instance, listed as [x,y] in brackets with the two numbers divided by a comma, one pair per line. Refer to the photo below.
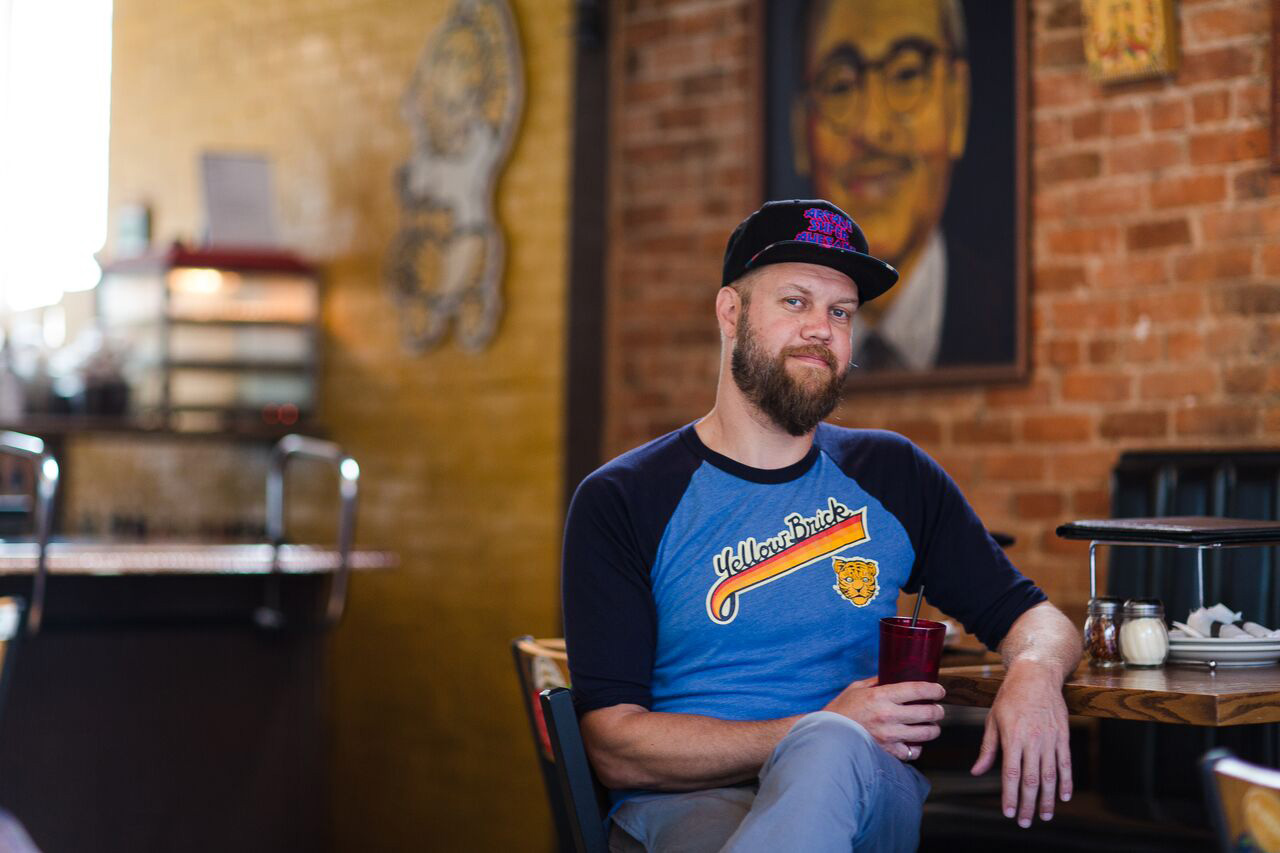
[882,120]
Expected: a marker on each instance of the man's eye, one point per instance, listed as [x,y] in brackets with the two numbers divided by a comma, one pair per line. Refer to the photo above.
[839,313]
[794,301]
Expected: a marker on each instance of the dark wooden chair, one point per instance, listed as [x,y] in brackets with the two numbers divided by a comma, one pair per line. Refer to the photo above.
[1243,799]
[579,804]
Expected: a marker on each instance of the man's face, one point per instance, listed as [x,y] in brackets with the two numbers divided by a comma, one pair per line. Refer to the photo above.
[793,343]
[885,116]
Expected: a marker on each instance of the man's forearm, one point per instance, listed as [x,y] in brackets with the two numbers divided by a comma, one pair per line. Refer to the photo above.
[631,747]
[1045,637]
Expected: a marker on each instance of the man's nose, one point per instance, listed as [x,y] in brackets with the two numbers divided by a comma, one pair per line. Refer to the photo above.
[817,326]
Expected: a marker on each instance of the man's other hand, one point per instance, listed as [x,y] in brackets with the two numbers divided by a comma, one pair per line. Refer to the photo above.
[883,711]
[1028,725]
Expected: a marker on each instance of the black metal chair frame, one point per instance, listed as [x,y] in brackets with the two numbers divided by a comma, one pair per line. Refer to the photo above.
[1213,790]
[580,792]
[579,804]
[1212,797]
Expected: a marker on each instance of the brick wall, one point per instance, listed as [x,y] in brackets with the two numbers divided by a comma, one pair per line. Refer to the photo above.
[460,453]
[682,174]
[1155,244]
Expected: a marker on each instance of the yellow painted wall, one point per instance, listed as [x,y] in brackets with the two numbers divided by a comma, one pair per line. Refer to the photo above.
[461,454]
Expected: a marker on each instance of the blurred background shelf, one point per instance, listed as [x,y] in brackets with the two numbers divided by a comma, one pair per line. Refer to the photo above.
[213,339]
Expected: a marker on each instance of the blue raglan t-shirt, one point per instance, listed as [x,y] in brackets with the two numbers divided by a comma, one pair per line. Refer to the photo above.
[695,584]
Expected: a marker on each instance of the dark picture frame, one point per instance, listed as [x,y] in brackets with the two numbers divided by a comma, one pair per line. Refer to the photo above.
[983,336]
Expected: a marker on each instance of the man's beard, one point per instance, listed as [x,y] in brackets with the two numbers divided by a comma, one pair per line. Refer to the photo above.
[796,406]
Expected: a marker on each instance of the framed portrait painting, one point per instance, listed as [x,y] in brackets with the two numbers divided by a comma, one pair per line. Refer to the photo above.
[910,115]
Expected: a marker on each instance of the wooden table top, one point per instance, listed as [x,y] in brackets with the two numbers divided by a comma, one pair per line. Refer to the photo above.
[1172,694]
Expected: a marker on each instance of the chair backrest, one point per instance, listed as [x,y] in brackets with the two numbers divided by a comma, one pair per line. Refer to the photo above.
[1244,800]
[539,664]
[1228,483]
[543,665]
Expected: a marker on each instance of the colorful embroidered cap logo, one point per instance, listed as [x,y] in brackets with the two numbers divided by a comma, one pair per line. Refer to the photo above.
[827,229]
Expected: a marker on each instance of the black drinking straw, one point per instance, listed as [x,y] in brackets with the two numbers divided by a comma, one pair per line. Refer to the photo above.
[915,614]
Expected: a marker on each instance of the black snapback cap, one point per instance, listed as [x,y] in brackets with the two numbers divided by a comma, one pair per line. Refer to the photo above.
[803,231]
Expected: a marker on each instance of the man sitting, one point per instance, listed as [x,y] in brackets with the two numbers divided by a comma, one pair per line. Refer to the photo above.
[726,685]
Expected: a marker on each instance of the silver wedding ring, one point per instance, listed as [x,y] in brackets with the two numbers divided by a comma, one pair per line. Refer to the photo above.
[911,753]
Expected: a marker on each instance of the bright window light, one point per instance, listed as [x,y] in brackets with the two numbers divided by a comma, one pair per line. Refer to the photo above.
[55,113]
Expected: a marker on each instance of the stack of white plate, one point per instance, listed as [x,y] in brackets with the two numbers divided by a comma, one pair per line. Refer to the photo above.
[1225,652]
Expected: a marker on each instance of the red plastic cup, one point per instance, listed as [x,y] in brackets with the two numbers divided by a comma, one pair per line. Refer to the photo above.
[910,653]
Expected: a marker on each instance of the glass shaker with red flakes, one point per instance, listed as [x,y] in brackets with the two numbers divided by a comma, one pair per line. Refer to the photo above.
[1102,633]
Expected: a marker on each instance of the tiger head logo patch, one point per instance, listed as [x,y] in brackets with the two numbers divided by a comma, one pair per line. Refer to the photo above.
[856,579]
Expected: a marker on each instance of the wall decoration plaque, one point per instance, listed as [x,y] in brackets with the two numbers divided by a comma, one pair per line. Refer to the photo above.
[463,103]
[1130,39]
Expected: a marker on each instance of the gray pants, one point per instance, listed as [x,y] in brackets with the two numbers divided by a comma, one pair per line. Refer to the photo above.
[827,787]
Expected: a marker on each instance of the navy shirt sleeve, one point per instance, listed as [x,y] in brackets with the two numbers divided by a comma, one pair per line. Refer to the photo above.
[615,522]
[964,572]
[610,625]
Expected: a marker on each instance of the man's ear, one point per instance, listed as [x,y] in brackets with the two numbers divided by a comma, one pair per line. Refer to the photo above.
[728,308]
[958,95]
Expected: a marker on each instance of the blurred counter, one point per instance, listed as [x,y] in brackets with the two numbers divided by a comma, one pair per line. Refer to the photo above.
[176,558]
[152,712]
